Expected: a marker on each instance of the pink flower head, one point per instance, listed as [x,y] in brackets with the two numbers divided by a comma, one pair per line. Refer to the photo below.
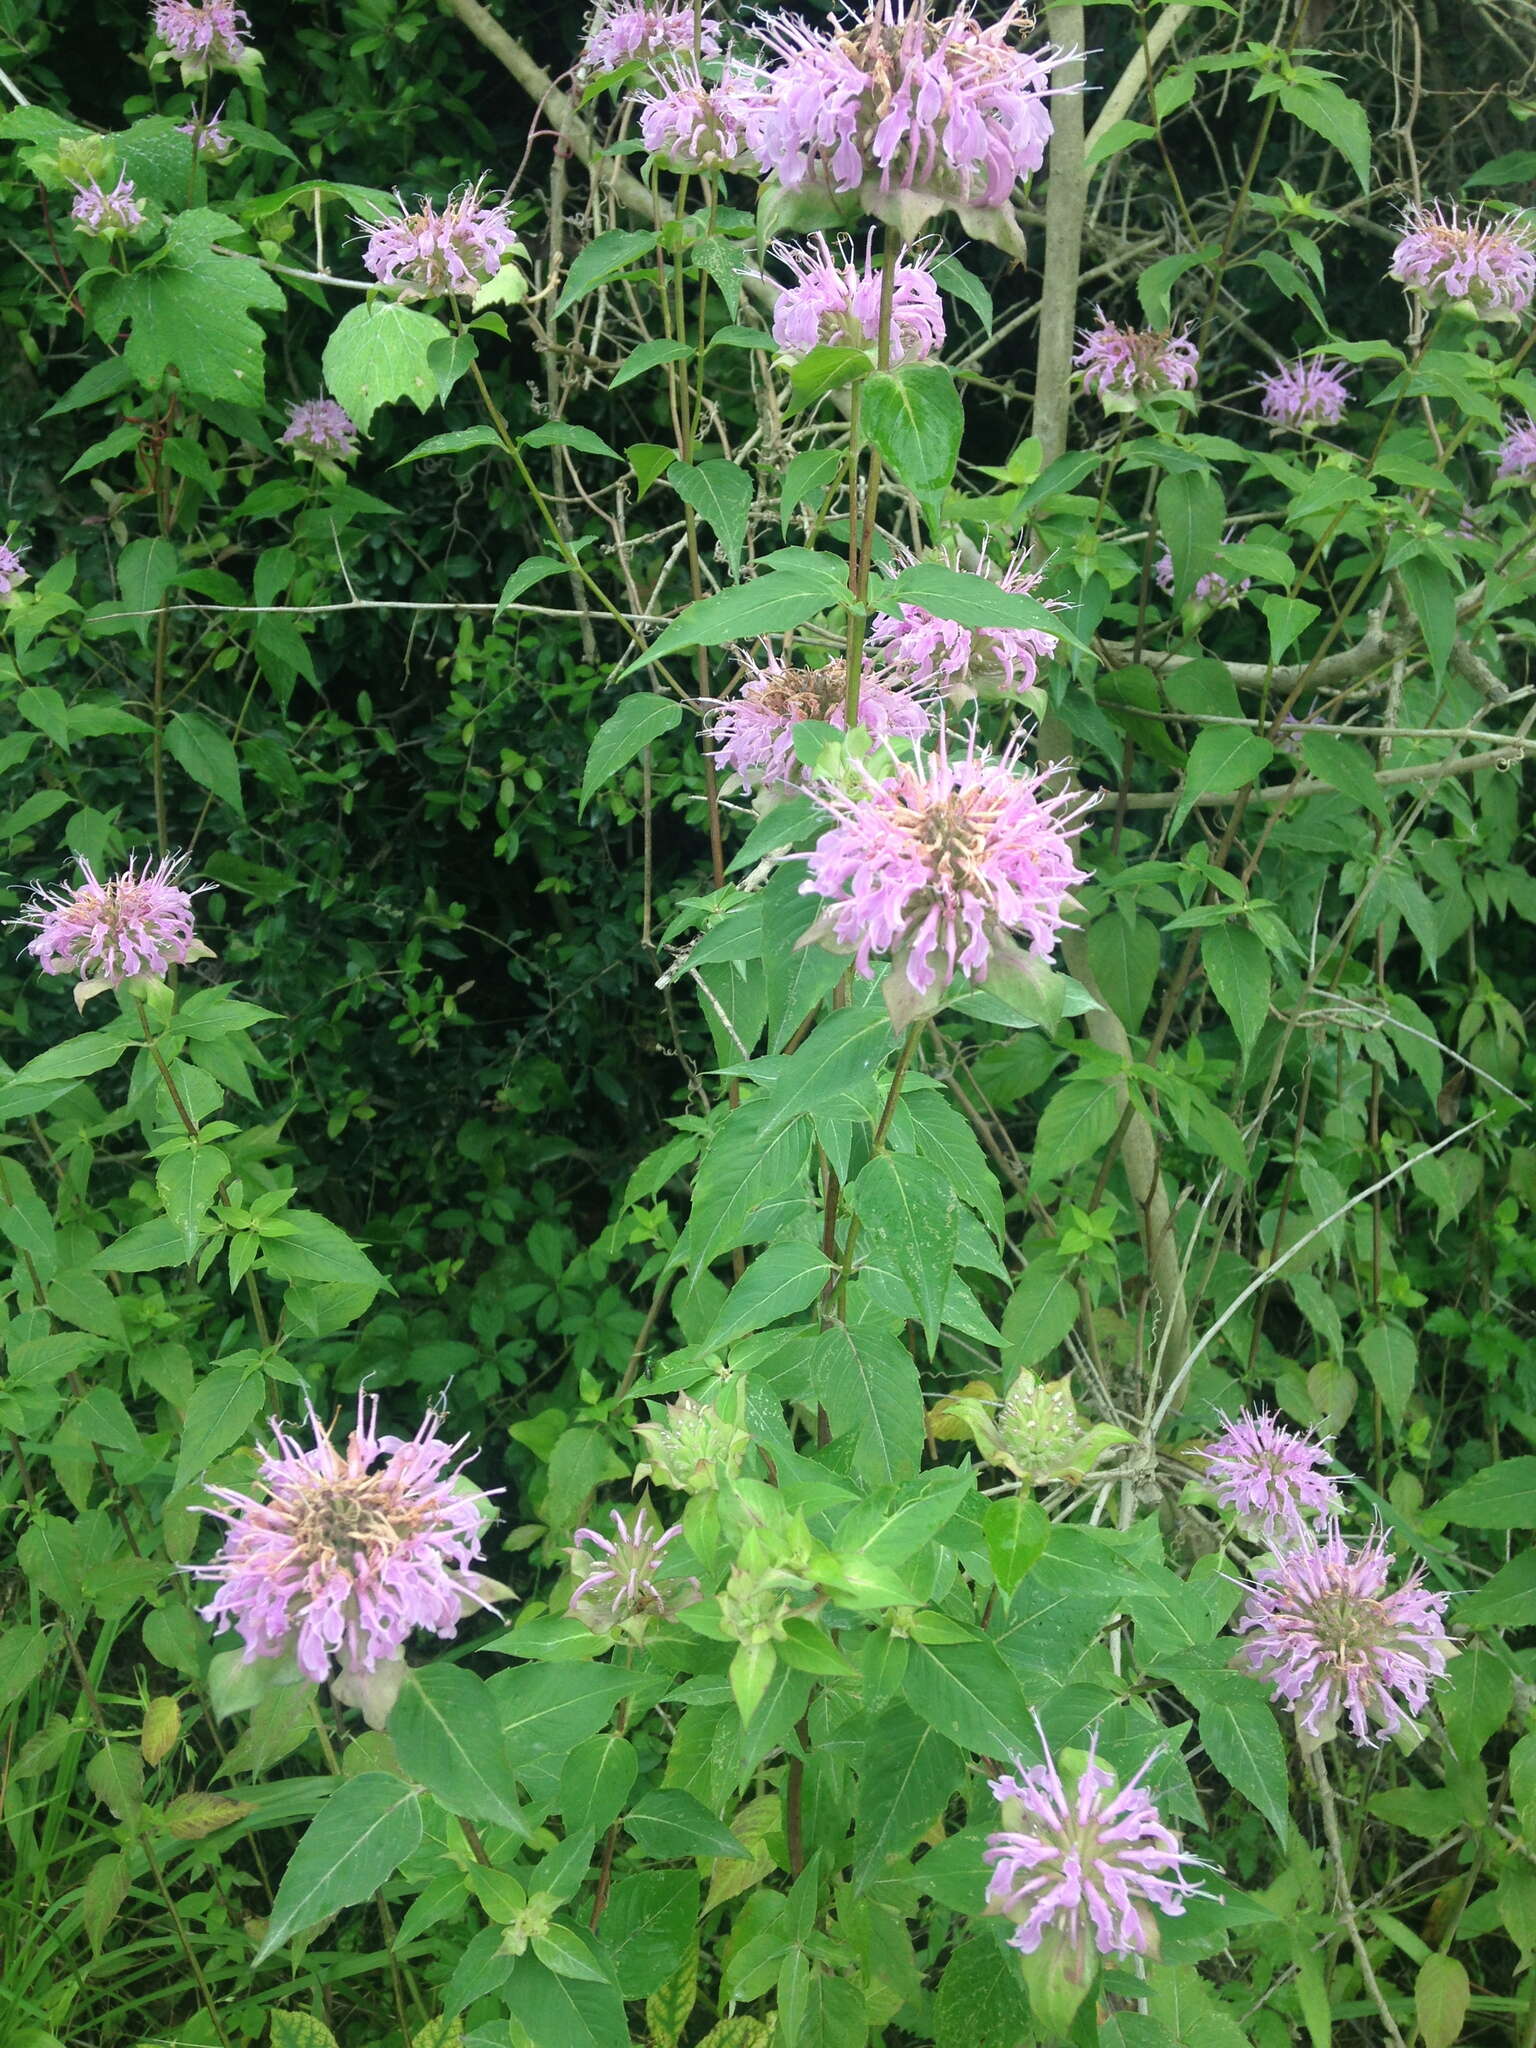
[209,140]
[938,864]
[1304,395]
[836,299]
[1517,452]
[1269,1476]
[753,734]
[1081,1868]
[644,31]
[108,214]
[620,1577]
[12,574]
[344,1553]
[1334,1644]
[1487,266]
[696,126]
[456,248]
[912,110]
[205,37]
[319,430]
[962,660]
[138,922]
[1123,365]
[1212,588]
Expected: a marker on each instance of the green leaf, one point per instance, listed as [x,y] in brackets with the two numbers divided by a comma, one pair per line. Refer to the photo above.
[974,601]
[1123,954]
[300,2030]
[913,415]
[825,368]
[869,1386]
[1190,510]
[538,569]
[366,1829]
[981,2001]
[1078,1121]
[145,1249]
[547,1708]
[118,442]
[447,1735]
[1237,967]
[1154,284]
[951,275]
[1390,1356]
[564,2012]
[672,1823]
[189,309]
[1222,761]
[649,460]
[1345,765]
[908,1776]
[602,258]
[638,721]
[648,356]
[558,435]
[23,1658]
[1041,1312]
[1017,1531]
[564,1951]
[909,1211]
[837,1059]
[1428,586]
[968,1693]
[774,601]
[207,754]
[1502,1496]
[720,493]
[315,1249]
[1288,618]
[378,355]
[784,1280]
[1117,136]
[1243,1742]
[648,1927]
[1442,1992]
[1507,1600]
[807,480]
[146,569]
[1517,168]
[1330,112]
[596,1779]
[219,1415]
[451,444]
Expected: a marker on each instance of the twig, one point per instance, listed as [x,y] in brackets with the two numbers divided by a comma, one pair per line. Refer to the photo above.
[1343,1905]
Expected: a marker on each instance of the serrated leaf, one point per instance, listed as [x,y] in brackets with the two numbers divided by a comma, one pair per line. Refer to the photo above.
[913,415]
[720,493]
[840,1054]
[784,1280]
[671,1823]
[869,1386]
[1243,1742]
[650,355]
[1190,511]
[367,1828]
[1442,1992]
[1502,1496]
[379,354]
[628,731]
[1237,967]
[1222,761]
[192,1815]
[774,601]
[106,1887]
[189,309]
[1345,765]
[447,1735]
[604,257]
[300,2030]
[456,443]
[1041,1311]
[909,1211]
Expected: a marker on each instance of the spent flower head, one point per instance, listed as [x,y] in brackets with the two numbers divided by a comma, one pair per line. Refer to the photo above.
[753,733]
[963,662]
[938,866]
[12,574]
[1035,1432]
[691,1447]
[1336,1644]
[1517,451]
[836,299]
[1082,1868]
[1304,395]
[913,110]
[620,1582]
[204,37]
[318,430]
[109,215]
[1270,1477]
[455,248]
[1121,366]
[1483,266]
[644,31]
[341,1555]
[693,125]
[105,932]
